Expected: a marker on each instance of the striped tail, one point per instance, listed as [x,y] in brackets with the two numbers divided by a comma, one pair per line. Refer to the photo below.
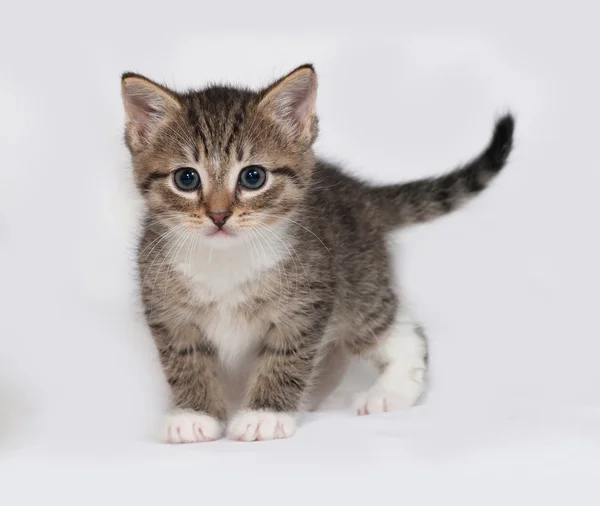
[424,200]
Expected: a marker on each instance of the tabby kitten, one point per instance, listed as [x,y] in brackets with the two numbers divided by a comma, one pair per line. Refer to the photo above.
[254,252]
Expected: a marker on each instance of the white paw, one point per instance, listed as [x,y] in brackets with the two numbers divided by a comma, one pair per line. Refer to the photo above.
[187,426]
[381,401]
[261,426]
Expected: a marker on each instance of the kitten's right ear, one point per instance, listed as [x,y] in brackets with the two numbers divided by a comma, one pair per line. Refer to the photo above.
[147,105]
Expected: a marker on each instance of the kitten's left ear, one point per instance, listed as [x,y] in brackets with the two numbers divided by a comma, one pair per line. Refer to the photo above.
[147,105]
[292,100]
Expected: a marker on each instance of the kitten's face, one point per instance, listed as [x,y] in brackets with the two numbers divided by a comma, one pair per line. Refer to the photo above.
[223,164]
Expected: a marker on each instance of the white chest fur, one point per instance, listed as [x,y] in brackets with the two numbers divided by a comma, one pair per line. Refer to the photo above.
[225,278]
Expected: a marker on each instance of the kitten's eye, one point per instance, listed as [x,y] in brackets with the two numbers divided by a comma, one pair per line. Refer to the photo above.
[186,179]
[253,177]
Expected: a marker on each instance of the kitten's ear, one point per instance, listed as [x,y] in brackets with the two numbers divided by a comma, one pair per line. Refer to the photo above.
[292,102]
[146,104]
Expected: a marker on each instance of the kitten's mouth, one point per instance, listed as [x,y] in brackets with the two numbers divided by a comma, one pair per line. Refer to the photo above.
[219,232]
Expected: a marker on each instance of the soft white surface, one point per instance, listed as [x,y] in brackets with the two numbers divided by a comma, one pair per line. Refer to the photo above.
[507,289]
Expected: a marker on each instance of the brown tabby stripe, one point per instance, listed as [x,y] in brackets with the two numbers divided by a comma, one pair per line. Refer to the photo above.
[286,171]
[150,178]
[203,348]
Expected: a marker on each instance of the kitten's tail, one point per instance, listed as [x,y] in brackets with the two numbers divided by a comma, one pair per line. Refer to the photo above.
[424,200]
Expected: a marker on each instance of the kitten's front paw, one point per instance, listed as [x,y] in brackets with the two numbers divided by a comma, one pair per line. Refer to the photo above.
[261,426]
[381,401]
[187,426]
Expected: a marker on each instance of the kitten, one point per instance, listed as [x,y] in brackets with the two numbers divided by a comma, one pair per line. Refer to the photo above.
[256,252]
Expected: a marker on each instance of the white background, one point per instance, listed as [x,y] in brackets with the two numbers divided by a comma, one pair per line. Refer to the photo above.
[508,288]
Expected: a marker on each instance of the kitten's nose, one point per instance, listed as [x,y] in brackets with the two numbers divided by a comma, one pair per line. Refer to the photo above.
[219,217]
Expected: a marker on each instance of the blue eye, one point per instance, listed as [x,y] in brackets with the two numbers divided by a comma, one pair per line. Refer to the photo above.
[186,179]
[253,177]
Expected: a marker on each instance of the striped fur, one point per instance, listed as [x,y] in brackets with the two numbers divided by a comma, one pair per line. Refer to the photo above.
[427,199]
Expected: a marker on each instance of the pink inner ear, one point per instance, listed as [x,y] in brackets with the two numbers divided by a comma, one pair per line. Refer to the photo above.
[292,100]
[139,109]
[146,106]
[302,109]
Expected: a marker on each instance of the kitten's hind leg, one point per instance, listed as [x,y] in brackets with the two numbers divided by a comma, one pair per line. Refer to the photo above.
[329,374]
[400,353]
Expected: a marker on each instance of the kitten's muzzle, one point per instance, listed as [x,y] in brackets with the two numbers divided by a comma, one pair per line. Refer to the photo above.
[219,217]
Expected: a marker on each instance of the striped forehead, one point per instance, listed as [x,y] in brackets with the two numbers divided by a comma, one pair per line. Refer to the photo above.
[216,117]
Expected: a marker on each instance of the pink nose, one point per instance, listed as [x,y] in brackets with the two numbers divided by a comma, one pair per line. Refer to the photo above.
[219,217]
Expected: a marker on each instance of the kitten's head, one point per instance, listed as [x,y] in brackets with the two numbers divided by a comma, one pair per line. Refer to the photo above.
[223,162]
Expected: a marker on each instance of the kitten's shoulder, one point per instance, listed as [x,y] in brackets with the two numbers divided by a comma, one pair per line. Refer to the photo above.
[332,183]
